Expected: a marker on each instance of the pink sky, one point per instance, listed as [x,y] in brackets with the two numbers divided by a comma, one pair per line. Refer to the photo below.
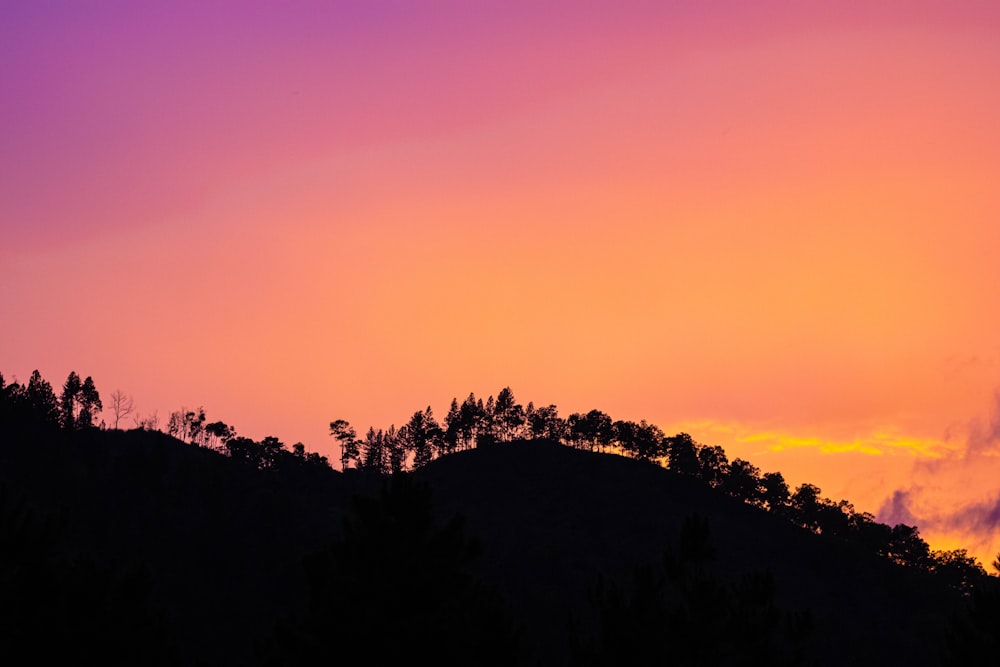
[773,228]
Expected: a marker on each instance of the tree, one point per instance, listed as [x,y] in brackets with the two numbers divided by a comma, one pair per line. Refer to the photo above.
[594,429]
[175,425]
[805,507]
[395,450]
[600,429]
[41,400]
[422,436]
[452,427]
[642,441]
[906,547]
[244,450]
[194,423]
[219,432]
[375,455]
[775,491]
[962,571]
[626,435]
[508,416]
[344,433]
[271,450]
[743,481]
[90,404]
[545,423]
[487,431]
[149,423]
[471,417]
[682,454]
[121,406]
[713,465]
[649,441]
[69,398]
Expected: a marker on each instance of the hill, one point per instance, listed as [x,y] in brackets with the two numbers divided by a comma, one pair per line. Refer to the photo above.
[222,544]
[553,518]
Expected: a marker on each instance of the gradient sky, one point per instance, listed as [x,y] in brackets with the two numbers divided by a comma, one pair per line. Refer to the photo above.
[775,228]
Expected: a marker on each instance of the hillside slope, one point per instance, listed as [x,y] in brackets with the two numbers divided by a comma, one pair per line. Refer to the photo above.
[224,543]
[553,518]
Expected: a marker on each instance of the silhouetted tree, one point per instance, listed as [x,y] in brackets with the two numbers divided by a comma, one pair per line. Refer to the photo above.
[422,437]
[271,450]
[35,403]
[836,518]
[395,449]
[960,570]
[907,547]
[626,435]
[90,404]
[471,416]
[219,432]
[641,441]
[594,429]
[600,429]
[121,406]
[743,481]
[805,507]
[382,451]
[348,439]
[244,450]
[682,454]
[187,425]
[452,427]
[774,490]
[69,400]
[546,423]
[713,465]
[508,416]
[487,432]
[194,423]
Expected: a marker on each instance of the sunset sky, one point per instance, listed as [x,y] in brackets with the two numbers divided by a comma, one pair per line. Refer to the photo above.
[774,228]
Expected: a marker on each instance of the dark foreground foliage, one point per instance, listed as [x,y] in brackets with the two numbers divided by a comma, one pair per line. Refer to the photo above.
[397,589]
[55,610]
[678,612]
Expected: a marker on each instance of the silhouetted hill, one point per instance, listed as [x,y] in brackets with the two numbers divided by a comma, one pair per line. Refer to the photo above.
[224,543]
[553,517]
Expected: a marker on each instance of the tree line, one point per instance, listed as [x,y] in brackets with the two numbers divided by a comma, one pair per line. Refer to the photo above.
[477,423]
[35,405]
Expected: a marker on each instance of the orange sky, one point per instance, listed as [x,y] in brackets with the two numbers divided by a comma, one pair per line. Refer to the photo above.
[775,229]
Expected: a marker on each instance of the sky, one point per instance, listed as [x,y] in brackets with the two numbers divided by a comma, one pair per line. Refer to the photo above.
[772,225]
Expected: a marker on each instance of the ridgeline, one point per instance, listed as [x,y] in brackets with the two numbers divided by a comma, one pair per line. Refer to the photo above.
[139,547]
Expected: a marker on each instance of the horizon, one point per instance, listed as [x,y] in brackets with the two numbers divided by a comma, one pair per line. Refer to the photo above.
[771,228]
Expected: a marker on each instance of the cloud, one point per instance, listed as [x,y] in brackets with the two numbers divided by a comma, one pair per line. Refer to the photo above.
[896,509]
[875,444]
[978,518]
[955,497]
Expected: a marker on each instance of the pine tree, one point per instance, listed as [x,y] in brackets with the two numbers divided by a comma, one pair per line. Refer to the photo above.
[69,399]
